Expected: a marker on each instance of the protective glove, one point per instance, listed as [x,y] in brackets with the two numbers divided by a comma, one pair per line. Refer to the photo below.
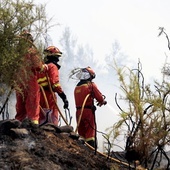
[65,104]
[64,98]
[103,103]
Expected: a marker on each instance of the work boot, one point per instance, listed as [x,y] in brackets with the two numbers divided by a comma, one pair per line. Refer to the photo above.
[34,122]
[91,143]
[82,140]
[27,123]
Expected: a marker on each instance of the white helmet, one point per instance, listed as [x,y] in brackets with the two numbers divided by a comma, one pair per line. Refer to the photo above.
[86,73]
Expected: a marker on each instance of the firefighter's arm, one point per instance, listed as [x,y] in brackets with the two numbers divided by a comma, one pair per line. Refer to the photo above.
[98,95]
[104,102]
[57,88]
[54,79]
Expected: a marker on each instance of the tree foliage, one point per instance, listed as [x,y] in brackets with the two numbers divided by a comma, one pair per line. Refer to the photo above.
[145,118]
[16,16]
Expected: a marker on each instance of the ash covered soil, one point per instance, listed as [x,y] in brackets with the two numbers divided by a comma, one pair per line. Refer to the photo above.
[25,146]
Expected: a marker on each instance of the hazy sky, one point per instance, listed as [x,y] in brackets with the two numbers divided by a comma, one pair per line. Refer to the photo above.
[133,23]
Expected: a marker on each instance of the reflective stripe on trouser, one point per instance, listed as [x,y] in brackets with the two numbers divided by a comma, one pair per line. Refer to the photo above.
[89,139]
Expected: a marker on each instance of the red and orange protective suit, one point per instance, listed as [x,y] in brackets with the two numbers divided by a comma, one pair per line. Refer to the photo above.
[87,125]
[52,72]
[28,93]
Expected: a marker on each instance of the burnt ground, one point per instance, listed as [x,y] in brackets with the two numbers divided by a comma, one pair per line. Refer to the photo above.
[25,146]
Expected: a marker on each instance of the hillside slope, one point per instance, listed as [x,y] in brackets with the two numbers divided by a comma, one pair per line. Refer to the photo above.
[28,147]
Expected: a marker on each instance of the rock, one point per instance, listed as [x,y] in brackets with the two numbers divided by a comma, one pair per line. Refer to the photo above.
[6,125]
[66,128]
[74,135]
[19,133]
[51,127]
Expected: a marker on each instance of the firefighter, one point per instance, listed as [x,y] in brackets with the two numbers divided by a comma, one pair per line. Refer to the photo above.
[86,117]
[49,78]
[28,91]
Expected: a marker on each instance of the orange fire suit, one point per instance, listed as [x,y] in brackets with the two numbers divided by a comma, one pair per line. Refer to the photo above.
[52,72]
[87,125]
[28,94]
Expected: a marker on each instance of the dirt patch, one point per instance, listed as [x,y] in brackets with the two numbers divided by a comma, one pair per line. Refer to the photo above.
[28,147]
